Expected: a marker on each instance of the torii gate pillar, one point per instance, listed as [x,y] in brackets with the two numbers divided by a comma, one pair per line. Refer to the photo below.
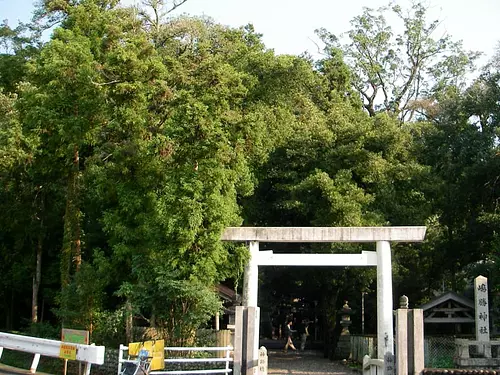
[251,276]
[382,236]
[385,333]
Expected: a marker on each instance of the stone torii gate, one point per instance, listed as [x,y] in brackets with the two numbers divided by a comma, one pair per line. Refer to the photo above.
[381,258]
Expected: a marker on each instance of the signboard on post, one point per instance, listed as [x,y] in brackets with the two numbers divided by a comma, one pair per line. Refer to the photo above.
[262,361]
[482,309]
[68,351]
[75,336]
[389,366]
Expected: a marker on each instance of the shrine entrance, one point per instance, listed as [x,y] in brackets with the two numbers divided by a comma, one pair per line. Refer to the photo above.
[381,258]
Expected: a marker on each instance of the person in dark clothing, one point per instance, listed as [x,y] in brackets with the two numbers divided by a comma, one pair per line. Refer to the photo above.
[288,335]
[304,332]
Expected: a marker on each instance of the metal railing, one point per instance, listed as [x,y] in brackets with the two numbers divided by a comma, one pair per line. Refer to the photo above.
[88,354]
[224,368]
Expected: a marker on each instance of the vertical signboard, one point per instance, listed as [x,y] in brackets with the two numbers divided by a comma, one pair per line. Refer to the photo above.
[262,361]
[482,317]
[68,351]
[482,308]
[389,365]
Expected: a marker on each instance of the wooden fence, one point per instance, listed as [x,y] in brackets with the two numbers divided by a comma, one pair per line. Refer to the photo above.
[363,345]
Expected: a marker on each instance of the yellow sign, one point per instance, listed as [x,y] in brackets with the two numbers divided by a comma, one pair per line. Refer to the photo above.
[155,349]
[67,351]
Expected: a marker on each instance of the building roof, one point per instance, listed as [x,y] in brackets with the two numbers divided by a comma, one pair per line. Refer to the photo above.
[449,308]
[226,293]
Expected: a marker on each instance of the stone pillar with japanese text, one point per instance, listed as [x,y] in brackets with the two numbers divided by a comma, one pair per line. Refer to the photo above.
[482,314]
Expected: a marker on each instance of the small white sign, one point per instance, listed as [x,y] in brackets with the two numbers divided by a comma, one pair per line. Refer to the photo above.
[389,365]
[262,361]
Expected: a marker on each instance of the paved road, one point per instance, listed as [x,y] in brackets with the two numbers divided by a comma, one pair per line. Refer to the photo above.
[304,363]
[8,370]
[308,362]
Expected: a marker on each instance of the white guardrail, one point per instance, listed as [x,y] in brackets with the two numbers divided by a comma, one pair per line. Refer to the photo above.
[88,354]
[223,368]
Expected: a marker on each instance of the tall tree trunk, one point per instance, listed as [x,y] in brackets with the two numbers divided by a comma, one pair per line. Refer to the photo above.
[128,321]
[330,322]
[76,187]
[71,251]
[37,278]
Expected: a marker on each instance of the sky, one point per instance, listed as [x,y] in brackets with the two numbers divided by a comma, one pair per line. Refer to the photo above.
[288,25]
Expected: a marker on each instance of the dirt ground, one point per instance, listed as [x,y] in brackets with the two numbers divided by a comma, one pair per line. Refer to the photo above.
[304,363]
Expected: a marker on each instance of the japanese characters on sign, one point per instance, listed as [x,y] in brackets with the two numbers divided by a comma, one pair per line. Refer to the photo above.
[389,365]
[67,351]
[262,361]
[481,302]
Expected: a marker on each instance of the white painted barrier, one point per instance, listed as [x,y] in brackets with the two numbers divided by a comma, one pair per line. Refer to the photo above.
[88,354]
[222,369]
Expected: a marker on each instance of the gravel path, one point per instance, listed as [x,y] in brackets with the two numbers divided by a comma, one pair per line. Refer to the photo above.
[304,363]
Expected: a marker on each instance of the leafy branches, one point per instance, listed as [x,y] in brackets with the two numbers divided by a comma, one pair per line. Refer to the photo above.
[390,70]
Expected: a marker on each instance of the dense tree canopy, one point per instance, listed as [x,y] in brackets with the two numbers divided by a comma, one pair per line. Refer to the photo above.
[131,139]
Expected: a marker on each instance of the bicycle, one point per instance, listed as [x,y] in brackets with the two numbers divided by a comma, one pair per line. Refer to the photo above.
[137,365]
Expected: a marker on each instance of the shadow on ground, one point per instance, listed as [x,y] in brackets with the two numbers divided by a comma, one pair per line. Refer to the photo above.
[308,362]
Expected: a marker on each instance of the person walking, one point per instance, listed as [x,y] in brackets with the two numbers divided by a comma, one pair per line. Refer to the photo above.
[288,334]
[304,332]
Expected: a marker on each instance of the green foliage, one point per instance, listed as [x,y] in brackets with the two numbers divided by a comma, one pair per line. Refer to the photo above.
[129,141]
[397,69]
[108,327]
[462,149]
[44,330]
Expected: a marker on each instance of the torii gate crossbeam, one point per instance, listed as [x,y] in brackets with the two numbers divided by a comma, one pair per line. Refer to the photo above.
[382,236]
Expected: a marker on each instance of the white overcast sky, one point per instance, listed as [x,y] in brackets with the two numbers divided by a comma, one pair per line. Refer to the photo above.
[288,25]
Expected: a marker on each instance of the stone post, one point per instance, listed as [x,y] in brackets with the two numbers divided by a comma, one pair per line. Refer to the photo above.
[246,341]
[252,340]
[409,339]
[385,339]
[402,337]
[263,361]
[482,316]
[416,341]
[238,340]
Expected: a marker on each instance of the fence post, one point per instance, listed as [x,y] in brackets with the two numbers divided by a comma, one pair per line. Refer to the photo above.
[238,340]
[228,357]
[120,358]
[34,364]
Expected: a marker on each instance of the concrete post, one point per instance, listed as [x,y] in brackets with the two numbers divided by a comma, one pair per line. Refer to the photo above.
[402,341]
[251,361]
[251,276]
[246,341]
[416,330]
[385,333]
[238,340]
